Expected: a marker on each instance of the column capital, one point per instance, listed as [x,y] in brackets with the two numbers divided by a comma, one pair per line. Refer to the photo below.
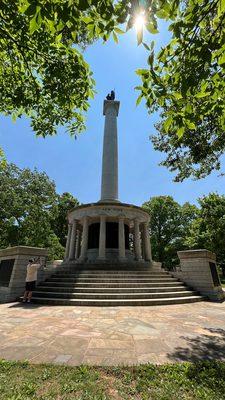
[85,218]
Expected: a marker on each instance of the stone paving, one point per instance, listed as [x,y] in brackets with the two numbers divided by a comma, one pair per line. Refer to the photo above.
[114,335]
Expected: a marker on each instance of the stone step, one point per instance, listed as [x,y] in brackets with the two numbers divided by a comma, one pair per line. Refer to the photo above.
[102,280]
[107,264]
[109,268]
[113,272]
[109,276]
[105,296]
[122,289]
[121,302]
[110,284]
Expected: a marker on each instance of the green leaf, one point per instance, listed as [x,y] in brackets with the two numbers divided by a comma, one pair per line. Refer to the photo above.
[221,7]
[140,36]
[190,125]
[33,25]
[151,59]
[23,7]
[202,94]
[221,60]
[146,46]
[14,117]
[177,95]
[180,132]
[115,38]
[119,31]
[139,99]
[151,28]
[142,71]
[167,123]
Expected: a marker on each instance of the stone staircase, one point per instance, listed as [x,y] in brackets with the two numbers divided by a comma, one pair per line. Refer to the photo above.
[112,285]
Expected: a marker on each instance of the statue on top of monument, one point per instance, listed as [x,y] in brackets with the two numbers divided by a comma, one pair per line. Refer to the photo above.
[111,96]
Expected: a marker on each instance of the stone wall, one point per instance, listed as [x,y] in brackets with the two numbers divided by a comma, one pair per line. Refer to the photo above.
[198,270]
[21,255]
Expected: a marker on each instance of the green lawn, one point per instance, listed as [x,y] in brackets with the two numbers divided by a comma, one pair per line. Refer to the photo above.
[22,381]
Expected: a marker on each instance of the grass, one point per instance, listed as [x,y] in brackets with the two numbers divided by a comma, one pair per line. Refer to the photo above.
[23,381]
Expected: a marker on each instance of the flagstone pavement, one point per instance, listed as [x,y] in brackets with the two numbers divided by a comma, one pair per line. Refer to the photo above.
[112,335]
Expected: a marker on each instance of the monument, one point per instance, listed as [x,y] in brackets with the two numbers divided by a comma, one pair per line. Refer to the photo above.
[108,230]
[108,259]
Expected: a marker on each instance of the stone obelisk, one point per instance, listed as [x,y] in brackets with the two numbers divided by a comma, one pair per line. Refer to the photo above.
[109,187]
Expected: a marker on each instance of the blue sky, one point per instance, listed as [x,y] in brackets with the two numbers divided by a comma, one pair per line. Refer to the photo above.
[75,165]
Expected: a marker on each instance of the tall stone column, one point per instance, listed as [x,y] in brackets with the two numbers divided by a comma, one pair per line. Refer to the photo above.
[102,237]
[84,243]
[142,243]
[68,241]
[109,187]
[137,243]
[77,251]
[73,241]
[147,244]
[122,251]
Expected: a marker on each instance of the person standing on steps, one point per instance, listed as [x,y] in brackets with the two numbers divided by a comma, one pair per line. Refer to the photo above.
[31,278]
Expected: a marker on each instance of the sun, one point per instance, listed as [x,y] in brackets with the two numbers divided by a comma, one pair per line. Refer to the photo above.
[139,21]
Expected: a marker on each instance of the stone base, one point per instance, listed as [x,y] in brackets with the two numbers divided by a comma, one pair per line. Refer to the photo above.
[198,270]
[110,255]
[15,285]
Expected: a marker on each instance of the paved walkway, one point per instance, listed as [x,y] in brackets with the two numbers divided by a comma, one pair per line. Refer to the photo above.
[112,336]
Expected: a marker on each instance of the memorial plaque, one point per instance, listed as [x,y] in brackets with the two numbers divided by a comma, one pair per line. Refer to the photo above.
[6,267]
[214,272]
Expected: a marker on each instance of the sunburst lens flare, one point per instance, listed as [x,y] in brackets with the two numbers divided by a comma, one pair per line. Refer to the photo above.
[139,22]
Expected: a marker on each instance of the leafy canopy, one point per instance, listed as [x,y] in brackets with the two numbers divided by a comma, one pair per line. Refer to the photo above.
[42,70]
[43,73]
[186,82]
[169,226]
[32,213]
[208,229]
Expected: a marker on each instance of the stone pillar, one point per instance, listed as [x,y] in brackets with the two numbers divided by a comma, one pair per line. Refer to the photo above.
[73,241]
[84,243]
[122,253]
[147,244]
[137,244]
[77,251]
[68,242]
[142,243]
[199,271]
[109,187]
[102,238]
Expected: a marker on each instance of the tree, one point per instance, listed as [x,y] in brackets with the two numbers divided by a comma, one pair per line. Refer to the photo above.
[28,206]
[186,82]
[167,227]
[208,229]
[43,73]
[65,203]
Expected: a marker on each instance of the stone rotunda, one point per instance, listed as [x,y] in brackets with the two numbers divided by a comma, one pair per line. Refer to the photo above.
[108,258]
[108,231]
